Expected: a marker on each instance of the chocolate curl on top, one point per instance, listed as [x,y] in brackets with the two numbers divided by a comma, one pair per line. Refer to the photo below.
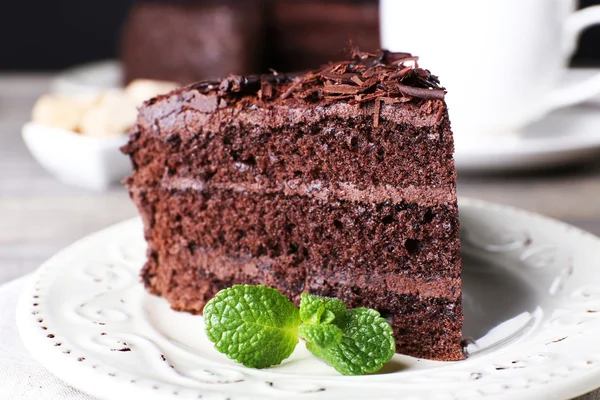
[365,77]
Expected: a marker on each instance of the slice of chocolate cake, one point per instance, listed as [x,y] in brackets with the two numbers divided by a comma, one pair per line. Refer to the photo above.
[338,182]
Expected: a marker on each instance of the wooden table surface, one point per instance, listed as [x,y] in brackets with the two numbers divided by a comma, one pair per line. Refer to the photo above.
[39,215]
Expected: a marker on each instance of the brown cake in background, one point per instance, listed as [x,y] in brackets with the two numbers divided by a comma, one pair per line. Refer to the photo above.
[191,40]
[305,34]
[188,40]
[339,182]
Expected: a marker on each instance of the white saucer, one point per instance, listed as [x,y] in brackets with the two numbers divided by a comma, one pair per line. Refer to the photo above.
[567,136]
[531,301]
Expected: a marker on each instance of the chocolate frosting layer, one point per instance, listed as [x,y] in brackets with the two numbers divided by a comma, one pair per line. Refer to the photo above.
[423,195]
[226,267]
[210,112]
[368,84]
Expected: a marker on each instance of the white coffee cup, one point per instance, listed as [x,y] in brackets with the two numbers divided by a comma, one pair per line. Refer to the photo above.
[500,60]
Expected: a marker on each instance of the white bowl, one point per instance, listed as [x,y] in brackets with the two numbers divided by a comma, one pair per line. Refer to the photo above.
[89,162]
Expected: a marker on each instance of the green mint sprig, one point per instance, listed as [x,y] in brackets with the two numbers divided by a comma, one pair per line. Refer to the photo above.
[258,327]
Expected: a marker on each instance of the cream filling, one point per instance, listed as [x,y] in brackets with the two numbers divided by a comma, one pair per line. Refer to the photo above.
[426,196]
[242,267]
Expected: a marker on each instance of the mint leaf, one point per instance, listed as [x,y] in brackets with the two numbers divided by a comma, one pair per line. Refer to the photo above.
[354,342]
[258,327]
[322,335]
[253,325]
[320,310]
[367,343]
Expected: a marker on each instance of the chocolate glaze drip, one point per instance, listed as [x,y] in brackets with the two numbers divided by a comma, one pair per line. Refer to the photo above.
[385,76]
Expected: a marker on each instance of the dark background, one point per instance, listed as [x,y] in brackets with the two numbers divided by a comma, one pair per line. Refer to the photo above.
[47,34]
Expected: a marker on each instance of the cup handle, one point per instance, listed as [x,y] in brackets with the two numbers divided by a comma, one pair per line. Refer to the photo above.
[581,91]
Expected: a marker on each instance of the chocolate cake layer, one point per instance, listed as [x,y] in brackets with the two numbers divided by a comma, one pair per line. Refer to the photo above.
[349,152]
[414,317]
[385,237]
[339,182]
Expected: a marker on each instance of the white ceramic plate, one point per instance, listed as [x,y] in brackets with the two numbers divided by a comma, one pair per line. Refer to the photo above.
[531,300]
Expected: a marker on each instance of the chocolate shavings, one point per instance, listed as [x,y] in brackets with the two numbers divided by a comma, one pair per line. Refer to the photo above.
[380,77]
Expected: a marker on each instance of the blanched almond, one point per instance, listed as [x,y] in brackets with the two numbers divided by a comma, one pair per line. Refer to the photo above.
[60,111]
[141,90]
[114,114]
